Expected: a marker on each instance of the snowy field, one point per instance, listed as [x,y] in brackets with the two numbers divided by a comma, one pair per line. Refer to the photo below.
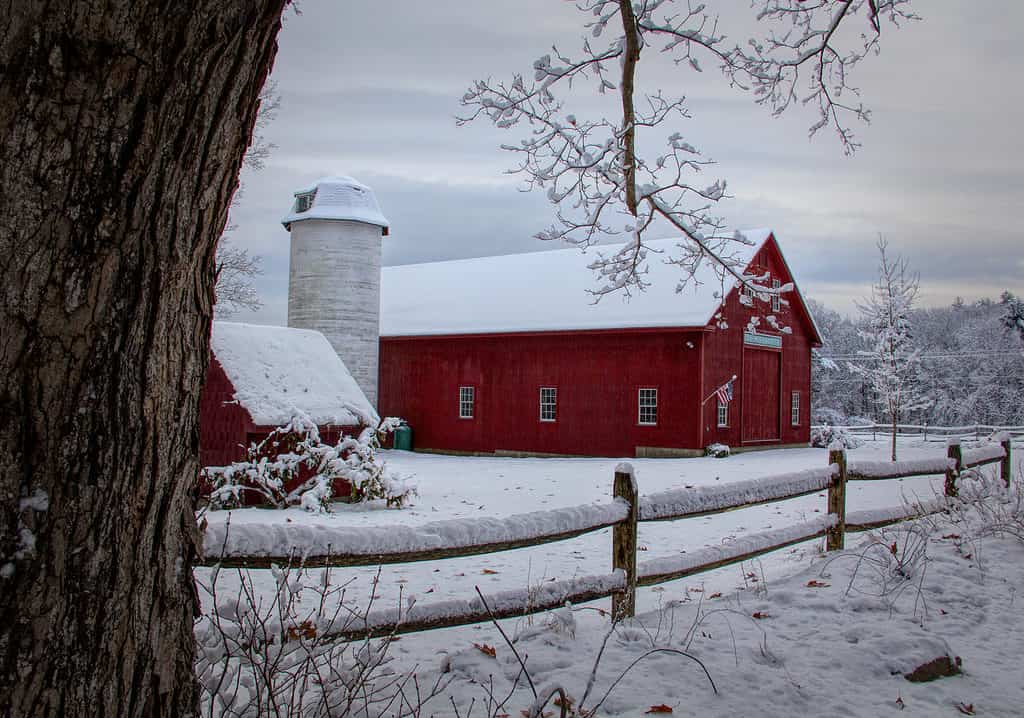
[774,585]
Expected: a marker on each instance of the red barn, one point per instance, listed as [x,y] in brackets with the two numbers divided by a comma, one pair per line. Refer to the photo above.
[511,355]
[259,377]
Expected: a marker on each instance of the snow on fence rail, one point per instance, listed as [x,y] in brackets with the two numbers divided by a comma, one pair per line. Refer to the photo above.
[340,547]
[686,503]
[259,545]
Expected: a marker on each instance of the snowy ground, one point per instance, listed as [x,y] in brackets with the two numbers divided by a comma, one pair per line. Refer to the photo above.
[463,487]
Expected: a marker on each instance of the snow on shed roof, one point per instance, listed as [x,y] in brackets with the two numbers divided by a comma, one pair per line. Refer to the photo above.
[337,197]
[547,291]
[278,370]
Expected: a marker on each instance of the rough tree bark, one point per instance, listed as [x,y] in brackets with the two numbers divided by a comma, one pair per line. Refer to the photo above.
[122,129]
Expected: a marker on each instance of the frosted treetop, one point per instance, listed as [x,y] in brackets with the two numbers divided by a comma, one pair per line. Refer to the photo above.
[336,197]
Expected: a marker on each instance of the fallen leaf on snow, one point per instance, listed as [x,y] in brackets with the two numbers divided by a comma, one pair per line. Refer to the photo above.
[485,649]
[817,584]
[488,571]
[659,709]
[760,614]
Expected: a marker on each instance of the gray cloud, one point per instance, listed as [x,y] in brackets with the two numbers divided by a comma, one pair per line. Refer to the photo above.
[371,89]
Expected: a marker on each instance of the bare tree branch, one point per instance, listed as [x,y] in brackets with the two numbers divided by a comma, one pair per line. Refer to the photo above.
[592,170]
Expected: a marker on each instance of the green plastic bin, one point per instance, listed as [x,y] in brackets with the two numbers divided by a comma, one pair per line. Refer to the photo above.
[403,437]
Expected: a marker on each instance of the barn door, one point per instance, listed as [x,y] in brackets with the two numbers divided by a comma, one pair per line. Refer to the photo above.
[761,377]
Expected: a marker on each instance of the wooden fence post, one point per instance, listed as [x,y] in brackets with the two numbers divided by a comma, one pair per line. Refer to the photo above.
[624,541]
[953,472]
[835,537]
[1006,465]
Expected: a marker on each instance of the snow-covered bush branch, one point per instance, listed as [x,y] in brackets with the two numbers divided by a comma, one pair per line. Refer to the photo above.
[826,435]
[276,655]
[592,168]
[292,466]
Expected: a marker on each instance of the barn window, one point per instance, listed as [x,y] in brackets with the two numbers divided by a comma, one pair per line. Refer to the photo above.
[467,401]
[648,414]
[747,296]
[548,403]
[794,409]
[723,414]
[776,301]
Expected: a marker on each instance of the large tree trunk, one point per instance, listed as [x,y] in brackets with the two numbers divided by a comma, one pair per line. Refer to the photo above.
[122,129]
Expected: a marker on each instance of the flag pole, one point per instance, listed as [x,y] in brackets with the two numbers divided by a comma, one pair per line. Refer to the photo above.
[716,391]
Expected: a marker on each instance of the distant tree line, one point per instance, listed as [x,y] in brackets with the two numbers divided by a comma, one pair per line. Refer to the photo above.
[971,356]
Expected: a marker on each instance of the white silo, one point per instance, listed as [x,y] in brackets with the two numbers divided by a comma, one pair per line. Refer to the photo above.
[334,280]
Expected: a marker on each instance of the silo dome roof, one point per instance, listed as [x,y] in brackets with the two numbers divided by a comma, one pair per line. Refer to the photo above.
[336,197]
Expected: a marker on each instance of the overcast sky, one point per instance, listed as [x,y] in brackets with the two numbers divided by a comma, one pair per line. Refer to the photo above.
[371,89]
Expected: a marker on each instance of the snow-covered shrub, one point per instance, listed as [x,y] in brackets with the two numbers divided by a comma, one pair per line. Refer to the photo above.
[825,436]
[718,451]
[274,469]
[827,415]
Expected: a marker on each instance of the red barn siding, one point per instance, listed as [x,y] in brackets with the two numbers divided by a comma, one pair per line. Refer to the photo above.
[224,425]
[597,375]
[724,356]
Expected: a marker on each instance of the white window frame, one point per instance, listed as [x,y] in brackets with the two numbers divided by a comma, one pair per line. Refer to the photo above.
[467,402]
[647,398]
[747,295]
[776,300]
[304,202]
[549,401]
[723,415]
[794,408]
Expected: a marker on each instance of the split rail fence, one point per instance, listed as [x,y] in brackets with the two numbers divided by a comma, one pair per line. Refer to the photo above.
[468,537]
[933,432]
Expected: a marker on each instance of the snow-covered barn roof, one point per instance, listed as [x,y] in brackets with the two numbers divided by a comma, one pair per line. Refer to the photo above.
[547,291]
[278,370]
[336,197]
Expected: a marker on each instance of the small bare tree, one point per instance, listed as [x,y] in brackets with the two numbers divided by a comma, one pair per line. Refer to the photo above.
[592,169]
[236,268]
[894,369]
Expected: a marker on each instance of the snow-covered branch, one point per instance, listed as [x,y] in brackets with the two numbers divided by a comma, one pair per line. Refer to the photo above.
[602,185]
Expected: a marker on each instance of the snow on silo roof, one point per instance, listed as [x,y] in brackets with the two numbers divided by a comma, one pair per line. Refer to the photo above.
[336,197]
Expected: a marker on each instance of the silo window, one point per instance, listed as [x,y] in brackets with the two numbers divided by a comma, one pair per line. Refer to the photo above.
[303,202]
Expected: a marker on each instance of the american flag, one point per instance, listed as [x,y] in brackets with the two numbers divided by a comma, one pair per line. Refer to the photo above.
[724,392]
